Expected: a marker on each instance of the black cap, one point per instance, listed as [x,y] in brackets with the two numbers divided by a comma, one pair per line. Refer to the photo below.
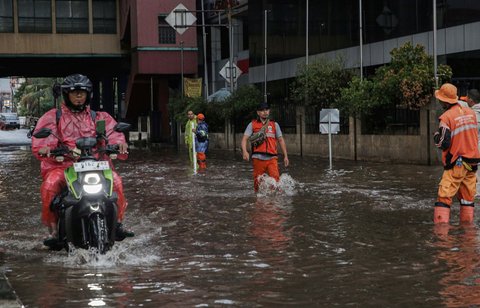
[474,95]
[262,106]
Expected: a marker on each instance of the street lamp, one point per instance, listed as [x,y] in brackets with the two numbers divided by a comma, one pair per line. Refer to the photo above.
[265,15]
[435,42]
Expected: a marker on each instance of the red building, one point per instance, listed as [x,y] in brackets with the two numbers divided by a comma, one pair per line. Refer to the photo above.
[158,54]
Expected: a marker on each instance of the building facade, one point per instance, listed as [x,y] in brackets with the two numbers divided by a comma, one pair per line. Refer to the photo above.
[272,36]
[127,49]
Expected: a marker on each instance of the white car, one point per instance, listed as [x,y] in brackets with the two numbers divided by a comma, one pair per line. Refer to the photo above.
[9,120]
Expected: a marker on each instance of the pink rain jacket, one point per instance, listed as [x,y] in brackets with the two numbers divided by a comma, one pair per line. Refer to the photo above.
[71,126]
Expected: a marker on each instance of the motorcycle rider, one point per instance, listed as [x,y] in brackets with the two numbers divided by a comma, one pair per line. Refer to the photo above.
[74,119]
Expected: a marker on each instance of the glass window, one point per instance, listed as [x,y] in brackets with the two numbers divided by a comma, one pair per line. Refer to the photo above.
[72,16]
[6,16]
[34,16]
[166,33]
[104,16]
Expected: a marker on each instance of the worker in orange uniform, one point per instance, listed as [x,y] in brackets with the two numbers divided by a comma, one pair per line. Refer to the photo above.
[458,138]
[201,141]
[263,134]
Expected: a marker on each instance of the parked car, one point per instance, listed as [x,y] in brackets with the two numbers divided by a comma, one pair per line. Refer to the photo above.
[9,120]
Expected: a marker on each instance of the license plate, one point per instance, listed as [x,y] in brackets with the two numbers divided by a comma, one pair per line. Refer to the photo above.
[91,165]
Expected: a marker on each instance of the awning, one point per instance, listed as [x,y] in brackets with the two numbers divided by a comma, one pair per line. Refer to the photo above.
[219,96]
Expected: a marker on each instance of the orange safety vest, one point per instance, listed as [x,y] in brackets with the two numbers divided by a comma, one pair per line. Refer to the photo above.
[270,145]
[462,123]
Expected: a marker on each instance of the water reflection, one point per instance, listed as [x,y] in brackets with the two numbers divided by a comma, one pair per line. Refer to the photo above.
[459,252]
[269,225]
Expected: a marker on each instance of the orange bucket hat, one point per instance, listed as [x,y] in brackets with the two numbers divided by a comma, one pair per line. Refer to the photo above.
[447,93]
[200,116]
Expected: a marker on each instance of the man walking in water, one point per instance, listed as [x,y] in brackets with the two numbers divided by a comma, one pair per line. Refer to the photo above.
[264,134]
[458,138]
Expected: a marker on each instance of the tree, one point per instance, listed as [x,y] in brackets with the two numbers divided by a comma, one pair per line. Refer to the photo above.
[35,96]
[406,82]
[319,83]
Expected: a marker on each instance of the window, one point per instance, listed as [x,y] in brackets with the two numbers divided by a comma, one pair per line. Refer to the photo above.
[34,16]
[6,16]
[104,16]
[166,33]
[72,16]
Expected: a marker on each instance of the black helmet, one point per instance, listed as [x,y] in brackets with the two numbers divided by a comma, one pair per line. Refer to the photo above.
[76,82]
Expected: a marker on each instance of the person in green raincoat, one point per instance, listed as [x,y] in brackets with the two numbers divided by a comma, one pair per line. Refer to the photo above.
[190,127]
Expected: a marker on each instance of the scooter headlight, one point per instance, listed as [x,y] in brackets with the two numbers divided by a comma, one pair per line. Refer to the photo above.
[92,184]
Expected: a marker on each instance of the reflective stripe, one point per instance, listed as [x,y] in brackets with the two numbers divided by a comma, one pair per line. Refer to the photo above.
[467,203]
[464,128]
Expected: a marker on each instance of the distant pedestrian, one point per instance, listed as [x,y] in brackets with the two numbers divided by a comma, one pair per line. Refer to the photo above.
[458,139]
[473,101]
[263,135]
[190,128]
[201,142]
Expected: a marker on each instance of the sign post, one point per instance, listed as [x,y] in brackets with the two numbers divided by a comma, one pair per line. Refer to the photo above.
[329,124]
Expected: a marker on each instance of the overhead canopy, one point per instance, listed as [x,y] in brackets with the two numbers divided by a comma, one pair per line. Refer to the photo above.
[219,96]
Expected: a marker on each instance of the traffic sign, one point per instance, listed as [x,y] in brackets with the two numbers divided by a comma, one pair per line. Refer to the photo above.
[225,72]
[329,121]
[180,18]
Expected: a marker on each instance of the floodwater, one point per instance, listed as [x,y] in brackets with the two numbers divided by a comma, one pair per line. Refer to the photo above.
[360,235]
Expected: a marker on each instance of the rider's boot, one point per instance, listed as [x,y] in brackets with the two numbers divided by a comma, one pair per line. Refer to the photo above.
[121,233]
[52,241]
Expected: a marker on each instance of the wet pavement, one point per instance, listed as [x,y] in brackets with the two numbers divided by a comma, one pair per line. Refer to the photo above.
[360,235]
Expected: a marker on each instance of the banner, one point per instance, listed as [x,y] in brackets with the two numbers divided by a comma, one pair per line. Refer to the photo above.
[192,87]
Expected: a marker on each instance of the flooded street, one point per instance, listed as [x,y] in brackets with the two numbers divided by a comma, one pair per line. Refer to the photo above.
[361,235]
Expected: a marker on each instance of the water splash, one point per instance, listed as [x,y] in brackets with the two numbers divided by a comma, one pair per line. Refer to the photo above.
[268,186]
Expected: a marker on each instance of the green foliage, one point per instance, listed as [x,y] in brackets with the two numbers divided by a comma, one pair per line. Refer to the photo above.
[243,102]
[35,97]
[407,82]
[357,97]
[179,107]
[240,105]
[319,83]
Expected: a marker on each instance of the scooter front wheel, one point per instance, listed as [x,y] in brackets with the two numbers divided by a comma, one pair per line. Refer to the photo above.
[98,233]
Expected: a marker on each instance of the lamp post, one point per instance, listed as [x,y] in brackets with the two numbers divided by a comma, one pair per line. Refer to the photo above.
[181,69]
[265,56]
[435,42]
[306,33]
[361,37]
[205,70]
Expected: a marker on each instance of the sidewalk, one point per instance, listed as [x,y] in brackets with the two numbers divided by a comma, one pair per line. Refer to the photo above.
[14,137]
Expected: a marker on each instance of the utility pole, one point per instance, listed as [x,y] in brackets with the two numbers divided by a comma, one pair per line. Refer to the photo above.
[265,56]
[205,70]
[181,68]
[435,43]
[361,37]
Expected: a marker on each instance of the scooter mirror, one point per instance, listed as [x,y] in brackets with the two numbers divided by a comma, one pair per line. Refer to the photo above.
[121,127]
[43,133]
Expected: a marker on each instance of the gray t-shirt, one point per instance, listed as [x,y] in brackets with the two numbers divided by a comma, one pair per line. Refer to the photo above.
[249,131]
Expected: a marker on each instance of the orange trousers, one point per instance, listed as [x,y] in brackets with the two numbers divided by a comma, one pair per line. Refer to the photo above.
[269,167]
[52,185]
[201,160]
[459,182]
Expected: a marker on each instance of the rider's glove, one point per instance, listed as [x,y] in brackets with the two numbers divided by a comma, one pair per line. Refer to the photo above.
[76,152]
